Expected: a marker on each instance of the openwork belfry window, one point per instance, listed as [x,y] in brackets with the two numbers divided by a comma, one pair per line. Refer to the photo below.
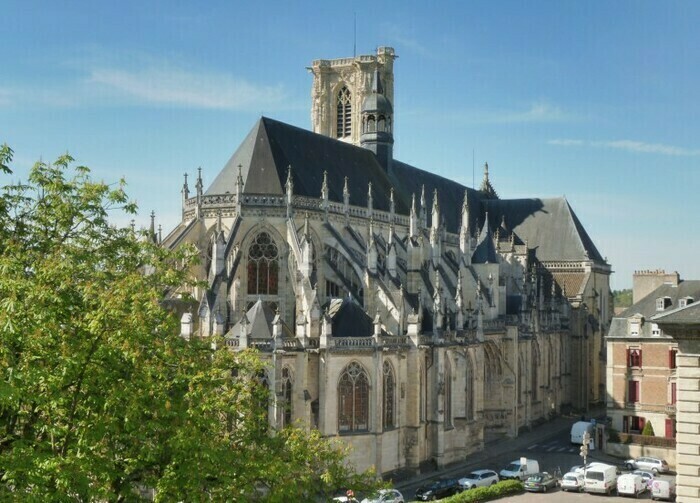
[353,399]
[263,266]
[344,113]
[287,382]
[389,398]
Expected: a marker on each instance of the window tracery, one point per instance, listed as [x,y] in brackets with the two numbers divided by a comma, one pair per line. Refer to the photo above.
[389,398]
[353,399]
[263,266]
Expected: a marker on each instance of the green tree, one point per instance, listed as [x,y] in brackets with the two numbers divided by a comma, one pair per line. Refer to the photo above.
[648,429]
[100,399]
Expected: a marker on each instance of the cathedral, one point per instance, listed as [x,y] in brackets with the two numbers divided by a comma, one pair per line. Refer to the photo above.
[410,316]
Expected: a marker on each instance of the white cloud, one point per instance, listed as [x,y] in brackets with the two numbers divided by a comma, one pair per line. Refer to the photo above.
[539,111]
[629,146]
[394,34]
[172,86]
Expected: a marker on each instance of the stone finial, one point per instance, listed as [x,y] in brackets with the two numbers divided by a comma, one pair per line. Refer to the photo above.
[392,205]
[370,202]
[185,188]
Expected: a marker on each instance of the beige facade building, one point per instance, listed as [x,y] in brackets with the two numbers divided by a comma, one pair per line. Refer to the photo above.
[407,314]
[683,324]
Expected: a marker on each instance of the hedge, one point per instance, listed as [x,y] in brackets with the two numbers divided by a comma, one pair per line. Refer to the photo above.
[494,492]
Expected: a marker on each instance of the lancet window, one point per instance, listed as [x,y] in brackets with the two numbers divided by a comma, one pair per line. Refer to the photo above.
[344,113]
[389,398]
[263,266]
[353,399]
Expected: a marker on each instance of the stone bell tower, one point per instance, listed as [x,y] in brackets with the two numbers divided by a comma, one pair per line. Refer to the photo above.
[339,90]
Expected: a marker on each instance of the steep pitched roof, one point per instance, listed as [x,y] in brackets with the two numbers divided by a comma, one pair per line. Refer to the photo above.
[549,225]
[272,146]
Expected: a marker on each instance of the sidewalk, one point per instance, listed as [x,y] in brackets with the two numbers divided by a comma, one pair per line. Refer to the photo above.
[498,448]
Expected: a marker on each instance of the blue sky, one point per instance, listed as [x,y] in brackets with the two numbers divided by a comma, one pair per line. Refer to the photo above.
[597,101]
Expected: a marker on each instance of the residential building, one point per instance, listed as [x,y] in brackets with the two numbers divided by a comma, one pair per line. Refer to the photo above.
[642,359]
[683,324]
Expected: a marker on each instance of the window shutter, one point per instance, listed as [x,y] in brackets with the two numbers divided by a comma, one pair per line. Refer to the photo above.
[640,358]
[629,360]
[641,424]
[673,392]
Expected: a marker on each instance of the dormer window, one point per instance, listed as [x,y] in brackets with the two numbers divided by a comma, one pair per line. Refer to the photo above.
[662,303]
[634,328]
[685,301]
[655,330]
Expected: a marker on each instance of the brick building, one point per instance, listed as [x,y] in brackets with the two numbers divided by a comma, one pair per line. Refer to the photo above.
[642,359]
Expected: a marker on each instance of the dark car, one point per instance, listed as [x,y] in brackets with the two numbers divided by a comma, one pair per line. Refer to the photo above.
[438,489]
[540,482]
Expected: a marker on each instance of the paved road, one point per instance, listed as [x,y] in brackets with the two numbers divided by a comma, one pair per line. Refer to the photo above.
[549,444]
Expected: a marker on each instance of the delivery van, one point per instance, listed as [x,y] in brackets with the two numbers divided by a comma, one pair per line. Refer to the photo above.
[578,429]
[663,489]
[520,469]
[630,484]
[601,479]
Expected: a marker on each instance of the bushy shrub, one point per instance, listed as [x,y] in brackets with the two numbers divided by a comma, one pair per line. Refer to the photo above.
[480,494]
[648,430]
[613,435]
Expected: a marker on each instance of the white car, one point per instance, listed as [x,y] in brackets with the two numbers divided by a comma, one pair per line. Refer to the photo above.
[478,478]
[572,481]
[655,465]
[385,496]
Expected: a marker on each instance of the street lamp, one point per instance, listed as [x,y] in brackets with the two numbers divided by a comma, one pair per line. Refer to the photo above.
[584,453]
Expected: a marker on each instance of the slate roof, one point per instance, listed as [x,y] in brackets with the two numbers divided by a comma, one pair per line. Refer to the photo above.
[550,225]
[646,307]
[349,319]
[260,318]
[689,315]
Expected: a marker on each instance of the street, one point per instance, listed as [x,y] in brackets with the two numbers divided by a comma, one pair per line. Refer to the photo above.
[553,452]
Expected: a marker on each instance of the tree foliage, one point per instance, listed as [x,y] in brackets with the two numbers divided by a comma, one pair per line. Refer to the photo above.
[100,399]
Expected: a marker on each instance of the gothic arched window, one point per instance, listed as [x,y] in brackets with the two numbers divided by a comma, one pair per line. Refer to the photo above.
[423,399]
[353,399]
[448,393]
[287,382]
[469,390]
[263,266]
[344,113]
[389,398]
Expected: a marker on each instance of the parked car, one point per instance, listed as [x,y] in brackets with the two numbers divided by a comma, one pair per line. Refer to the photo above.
[478,478]
[655,465]
[385,496]
[540,482]
[630,484]
[647,476]
[438,489]
[572,481]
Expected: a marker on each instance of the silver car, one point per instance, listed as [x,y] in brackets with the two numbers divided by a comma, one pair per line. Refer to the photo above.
[478,478]
[385,496]
[655,465]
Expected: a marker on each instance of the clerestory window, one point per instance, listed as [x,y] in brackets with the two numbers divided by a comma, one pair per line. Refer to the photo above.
[344,113]
[287,382]
[263,266]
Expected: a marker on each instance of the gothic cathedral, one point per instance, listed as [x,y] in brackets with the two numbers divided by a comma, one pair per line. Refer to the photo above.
[409,315]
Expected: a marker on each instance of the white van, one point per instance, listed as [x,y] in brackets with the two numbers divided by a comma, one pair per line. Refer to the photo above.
[601,479]
[578,429]
[520,469]
[663,489]
[630,484]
